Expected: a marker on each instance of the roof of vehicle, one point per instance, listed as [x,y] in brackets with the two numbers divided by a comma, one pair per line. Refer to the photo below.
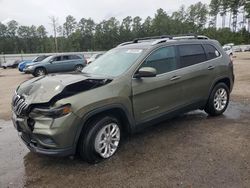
[150,42]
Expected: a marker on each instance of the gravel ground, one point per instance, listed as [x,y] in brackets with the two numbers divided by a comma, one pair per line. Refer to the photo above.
[192,150]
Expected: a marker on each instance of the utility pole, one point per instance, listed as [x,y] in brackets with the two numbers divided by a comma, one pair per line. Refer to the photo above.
[54,23]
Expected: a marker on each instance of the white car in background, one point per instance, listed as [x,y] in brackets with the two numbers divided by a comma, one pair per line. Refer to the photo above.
[228,50]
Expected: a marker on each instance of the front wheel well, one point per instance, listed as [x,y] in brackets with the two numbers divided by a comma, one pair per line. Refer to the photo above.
[41,68]
[117,113]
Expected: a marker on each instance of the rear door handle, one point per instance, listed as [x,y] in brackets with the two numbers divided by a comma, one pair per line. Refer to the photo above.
[211,67]
[175,78]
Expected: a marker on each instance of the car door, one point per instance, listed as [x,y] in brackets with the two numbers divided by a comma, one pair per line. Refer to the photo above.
[196,73]
[67,63]
[61,64]
[155,96]
[54,64]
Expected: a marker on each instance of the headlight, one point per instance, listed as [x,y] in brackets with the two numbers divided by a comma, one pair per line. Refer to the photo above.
[29,67]
[52,112]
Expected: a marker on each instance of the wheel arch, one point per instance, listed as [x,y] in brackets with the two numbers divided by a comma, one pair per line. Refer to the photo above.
[225,80]
[40,67]
[116,110]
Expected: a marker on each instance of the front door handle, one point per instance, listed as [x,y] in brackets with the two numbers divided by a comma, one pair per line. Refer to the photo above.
[211,67]
[175,78]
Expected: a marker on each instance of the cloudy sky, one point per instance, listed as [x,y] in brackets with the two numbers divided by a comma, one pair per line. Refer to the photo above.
[37,12]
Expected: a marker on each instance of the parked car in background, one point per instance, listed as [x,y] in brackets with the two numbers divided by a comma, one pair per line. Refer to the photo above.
[136,84]
[247,49]
[56,63]
[237,49]
[22,64]
[13,64]
[94,57]
[228,50]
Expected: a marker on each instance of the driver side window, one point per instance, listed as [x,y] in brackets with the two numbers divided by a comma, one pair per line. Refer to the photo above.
[58,58]
[163,60]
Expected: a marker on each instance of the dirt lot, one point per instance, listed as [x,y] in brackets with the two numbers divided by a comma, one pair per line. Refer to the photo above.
[193,150]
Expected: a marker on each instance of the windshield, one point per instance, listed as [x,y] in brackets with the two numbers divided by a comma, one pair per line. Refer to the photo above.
[114,62]
[47,59]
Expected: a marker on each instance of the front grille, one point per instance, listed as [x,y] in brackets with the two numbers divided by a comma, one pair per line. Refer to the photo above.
[19,105]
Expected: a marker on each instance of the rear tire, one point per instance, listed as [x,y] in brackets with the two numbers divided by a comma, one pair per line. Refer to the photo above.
[39,72]
[100,140]
[218,100]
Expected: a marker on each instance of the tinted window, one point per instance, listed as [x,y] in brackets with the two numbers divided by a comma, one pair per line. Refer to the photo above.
[58,58]
[65,57]
[211,51]
[163,60]
[191,54]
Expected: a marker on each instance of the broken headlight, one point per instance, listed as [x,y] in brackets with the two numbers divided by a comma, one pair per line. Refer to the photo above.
[52,112]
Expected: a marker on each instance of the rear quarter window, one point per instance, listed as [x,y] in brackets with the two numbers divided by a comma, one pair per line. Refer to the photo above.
[191,54]
[211,51]
[73,57]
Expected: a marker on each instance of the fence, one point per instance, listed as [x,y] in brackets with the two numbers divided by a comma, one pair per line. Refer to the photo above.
[8,58]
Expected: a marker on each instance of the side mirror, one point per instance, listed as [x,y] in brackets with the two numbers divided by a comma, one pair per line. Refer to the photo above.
[51,61]
[146,72]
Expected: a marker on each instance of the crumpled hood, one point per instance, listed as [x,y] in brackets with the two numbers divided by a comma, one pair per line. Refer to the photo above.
[56,86]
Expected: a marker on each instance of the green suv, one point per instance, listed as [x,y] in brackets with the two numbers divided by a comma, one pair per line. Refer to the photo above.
[136,84]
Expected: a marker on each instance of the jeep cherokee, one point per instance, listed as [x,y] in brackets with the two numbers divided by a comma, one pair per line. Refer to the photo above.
[138,83]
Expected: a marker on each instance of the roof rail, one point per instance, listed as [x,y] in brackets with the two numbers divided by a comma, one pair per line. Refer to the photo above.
[152,38]
[164,38]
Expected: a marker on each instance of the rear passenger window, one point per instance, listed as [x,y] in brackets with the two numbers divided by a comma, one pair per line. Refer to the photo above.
[163,60]
[211,51]
[191,54]
[72,57]
[65,57]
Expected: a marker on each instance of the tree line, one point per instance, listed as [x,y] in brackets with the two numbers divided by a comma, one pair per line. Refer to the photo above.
[87,35]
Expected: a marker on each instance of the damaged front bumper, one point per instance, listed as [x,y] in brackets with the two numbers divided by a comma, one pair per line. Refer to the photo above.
[54,137]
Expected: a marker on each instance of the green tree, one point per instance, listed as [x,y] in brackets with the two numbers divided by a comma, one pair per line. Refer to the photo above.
[12,27]
[86,28]
[180,15]
[125,29]
[42,38]
[197,14]
[214,11]
[146,27]
[70,25]
[247,9]
[234,6]
[224,5]
[161,23]
[3,30]
[136,26]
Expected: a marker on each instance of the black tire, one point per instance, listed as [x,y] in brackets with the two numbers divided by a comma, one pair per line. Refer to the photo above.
[86,145]
[78,68]
[40,71]
[4,67]
[211,106]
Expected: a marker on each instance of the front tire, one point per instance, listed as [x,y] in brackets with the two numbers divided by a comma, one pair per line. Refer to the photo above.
[218,100]
[100,140]
[39,72]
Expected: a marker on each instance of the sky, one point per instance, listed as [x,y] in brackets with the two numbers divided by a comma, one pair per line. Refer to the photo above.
[37,12]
